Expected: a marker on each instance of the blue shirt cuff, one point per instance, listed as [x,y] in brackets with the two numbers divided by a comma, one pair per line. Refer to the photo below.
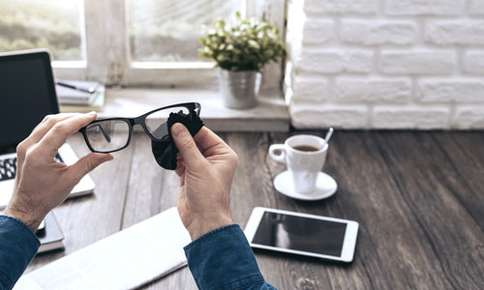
[18,245]
[222,260]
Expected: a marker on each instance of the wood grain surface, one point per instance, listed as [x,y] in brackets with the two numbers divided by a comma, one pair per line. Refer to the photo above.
[418,197]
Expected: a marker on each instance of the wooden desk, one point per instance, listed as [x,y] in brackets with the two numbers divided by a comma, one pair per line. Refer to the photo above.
[418,197]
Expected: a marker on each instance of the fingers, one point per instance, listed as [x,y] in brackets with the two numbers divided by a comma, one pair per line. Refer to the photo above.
[58,134]
[180,167]
[180,170]
[206,138]
[36,135]
[47,123]
[186,145]
[212,145]
[39,131]
[86,164]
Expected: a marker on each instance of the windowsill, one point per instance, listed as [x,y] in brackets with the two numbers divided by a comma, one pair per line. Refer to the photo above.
[271,114]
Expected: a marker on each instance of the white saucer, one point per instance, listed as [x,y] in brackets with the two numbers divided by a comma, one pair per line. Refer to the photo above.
[326,186]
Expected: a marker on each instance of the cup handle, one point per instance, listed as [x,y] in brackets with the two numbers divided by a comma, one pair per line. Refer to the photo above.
[281,157]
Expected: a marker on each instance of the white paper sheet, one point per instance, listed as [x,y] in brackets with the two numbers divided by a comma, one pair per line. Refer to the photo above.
[125,260]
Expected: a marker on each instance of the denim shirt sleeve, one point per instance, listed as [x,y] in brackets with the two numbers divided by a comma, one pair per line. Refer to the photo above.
[223,260]
[18,246]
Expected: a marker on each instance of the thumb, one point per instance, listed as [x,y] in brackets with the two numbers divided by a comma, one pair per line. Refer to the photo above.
[186,145]
[87,163]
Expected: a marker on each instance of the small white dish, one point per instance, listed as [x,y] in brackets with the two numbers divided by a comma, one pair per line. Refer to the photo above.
[326,186]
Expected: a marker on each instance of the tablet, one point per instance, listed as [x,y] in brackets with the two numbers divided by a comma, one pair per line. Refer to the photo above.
[302,234]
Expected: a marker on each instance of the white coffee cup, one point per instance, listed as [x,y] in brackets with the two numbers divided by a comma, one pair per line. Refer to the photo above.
[303,165]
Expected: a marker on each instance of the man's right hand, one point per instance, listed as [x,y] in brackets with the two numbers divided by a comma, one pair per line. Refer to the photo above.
[206,167]
[43,183]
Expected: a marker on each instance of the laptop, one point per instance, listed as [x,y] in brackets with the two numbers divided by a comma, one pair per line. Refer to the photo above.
[27,94]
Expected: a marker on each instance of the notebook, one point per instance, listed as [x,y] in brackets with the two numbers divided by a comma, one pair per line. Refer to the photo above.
[50,235]
[70,96]
[96,105]
[126,260]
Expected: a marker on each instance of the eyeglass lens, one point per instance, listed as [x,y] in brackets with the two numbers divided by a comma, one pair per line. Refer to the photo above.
[108,135]
[156,121]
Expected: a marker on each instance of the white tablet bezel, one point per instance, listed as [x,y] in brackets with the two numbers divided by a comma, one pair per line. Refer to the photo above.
[349,243]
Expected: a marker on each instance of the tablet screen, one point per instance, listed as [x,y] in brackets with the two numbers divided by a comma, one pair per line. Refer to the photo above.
[300,234]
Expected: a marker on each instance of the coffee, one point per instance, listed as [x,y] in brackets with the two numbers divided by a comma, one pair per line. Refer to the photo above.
[306,148]
[304,156]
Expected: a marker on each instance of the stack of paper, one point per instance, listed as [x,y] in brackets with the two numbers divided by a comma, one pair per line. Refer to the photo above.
[126,260]
[80,100]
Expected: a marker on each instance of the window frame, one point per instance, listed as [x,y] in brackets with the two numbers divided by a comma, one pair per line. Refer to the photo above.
[107,57]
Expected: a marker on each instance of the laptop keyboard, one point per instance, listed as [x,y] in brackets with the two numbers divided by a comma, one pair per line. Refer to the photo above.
[8,167]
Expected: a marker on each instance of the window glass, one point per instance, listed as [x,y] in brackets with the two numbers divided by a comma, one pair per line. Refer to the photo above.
[53,24]
[168,30]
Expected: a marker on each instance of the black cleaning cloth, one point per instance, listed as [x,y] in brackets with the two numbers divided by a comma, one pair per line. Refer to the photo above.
[165,150]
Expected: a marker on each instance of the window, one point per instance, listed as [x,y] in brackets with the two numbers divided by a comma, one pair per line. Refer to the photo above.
[55,24]
[167,30]
[124,42]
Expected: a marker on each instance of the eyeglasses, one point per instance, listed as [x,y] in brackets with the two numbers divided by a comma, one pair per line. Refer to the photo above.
[114,134]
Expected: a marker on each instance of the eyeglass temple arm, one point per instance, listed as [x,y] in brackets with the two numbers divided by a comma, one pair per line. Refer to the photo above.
[106,136]
[198,107]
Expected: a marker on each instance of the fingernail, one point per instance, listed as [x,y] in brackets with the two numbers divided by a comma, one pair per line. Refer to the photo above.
[92,113]
[177,129]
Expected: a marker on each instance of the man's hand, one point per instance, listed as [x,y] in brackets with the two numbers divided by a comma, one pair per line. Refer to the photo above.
[206,167]
[41,182]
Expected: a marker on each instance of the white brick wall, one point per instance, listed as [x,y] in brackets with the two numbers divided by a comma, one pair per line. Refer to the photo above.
[476,7]
[469,117]
[378,32]
[410,117]
[450,90]
[424,7]
[373,90]
[311,115]
[318,31]
[358,7]
[386,63]
[464,32]
[311,88]
[337,61]
[409,62]
[473,62]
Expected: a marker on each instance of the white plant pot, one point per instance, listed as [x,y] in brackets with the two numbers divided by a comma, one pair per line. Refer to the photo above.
[239,88]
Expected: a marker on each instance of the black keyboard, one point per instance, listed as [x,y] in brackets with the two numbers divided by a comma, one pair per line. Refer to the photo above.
[8,167]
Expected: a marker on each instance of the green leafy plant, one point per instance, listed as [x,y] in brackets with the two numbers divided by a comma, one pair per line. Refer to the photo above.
[247,45]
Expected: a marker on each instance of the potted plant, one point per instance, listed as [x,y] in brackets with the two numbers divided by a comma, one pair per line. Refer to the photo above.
[241,50]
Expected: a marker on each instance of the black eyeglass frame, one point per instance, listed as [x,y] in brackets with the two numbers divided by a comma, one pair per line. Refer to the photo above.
[140,120]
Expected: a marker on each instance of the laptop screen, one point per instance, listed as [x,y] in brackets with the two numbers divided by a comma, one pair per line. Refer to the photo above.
[27,94]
